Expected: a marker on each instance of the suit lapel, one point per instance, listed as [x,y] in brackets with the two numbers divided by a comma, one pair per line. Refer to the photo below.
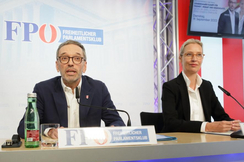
[236,23]
[185,97]
[86,96]
[228,22]
[205,106]
[61,103]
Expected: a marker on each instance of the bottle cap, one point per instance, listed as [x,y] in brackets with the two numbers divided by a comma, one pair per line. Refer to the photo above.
[31,95]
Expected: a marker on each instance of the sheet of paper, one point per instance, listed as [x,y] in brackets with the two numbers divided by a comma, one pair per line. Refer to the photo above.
[221,133]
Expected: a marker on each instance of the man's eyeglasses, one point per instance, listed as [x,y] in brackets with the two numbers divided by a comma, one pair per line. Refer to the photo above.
[190,55]
[75,59]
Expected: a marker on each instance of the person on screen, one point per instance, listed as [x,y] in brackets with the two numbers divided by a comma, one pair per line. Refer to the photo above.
[189,101]
[229,20]
[241,17]
[56,99]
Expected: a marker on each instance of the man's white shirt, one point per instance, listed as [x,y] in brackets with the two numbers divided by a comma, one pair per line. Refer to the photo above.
[72,106]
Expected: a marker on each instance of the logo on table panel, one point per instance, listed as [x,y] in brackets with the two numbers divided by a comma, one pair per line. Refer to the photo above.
[102,141]
[49,33]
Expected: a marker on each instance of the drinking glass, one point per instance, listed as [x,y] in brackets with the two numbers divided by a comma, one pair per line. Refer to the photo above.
[48,140]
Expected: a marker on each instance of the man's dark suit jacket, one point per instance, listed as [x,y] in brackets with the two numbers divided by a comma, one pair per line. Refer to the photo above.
[224,24]
[176,106]
[52,105]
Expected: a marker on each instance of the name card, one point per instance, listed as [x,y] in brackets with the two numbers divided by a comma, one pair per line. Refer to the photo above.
[106,136]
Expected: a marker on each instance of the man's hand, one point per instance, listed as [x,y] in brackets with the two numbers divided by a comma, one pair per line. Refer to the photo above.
[53,133]
[220,126]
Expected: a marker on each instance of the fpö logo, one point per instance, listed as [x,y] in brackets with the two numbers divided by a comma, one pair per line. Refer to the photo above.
[13,30]
[16,29]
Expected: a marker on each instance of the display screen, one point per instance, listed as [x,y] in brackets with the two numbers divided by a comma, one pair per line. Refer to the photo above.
[216,18]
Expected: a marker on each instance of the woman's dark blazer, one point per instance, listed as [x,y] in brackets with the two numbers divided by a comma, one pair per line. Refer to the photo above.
[176,106]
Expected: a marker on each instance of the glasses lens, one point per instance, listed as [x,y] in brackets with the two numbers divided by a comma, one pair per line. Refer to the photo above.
[77,60]
[64,59]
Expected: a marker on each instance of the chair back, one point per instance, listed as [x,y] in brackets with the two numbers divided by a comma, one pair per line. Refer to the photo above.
[151,118]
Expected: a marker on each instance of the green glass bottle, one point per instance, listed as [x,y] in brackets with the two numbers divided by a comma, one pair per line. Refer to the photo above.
[31,122]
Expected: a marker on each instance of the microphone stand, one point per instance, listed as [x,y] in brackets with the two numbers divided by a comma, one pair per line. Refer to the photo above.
[239,133]
[104,108]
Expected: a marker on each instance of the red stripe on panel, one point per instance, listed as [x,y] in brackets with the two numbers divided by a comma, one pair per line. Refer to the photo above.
[233,76]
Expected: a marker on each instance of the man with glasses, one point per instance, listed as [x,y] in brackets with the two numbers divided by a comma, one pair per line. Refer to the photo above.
[229,20]
[56,97]
[189,101]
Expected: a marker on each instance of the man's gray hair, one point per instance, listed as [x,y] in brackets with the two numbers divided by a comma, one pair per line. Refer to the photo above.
[72,42]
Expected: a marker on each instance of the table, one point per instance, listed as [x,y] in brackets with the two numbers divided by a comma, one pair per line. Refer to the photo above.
[187,145]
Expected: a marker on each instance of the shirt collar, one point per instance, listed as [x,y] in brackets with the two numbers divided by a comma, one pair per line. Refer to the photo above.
[199,80]
[232,13]
[65,88]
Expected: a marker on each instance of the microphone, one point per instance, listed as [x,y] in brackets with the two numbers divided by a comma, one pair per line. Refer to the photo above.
[239,133]
[226,92]
[77,96]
